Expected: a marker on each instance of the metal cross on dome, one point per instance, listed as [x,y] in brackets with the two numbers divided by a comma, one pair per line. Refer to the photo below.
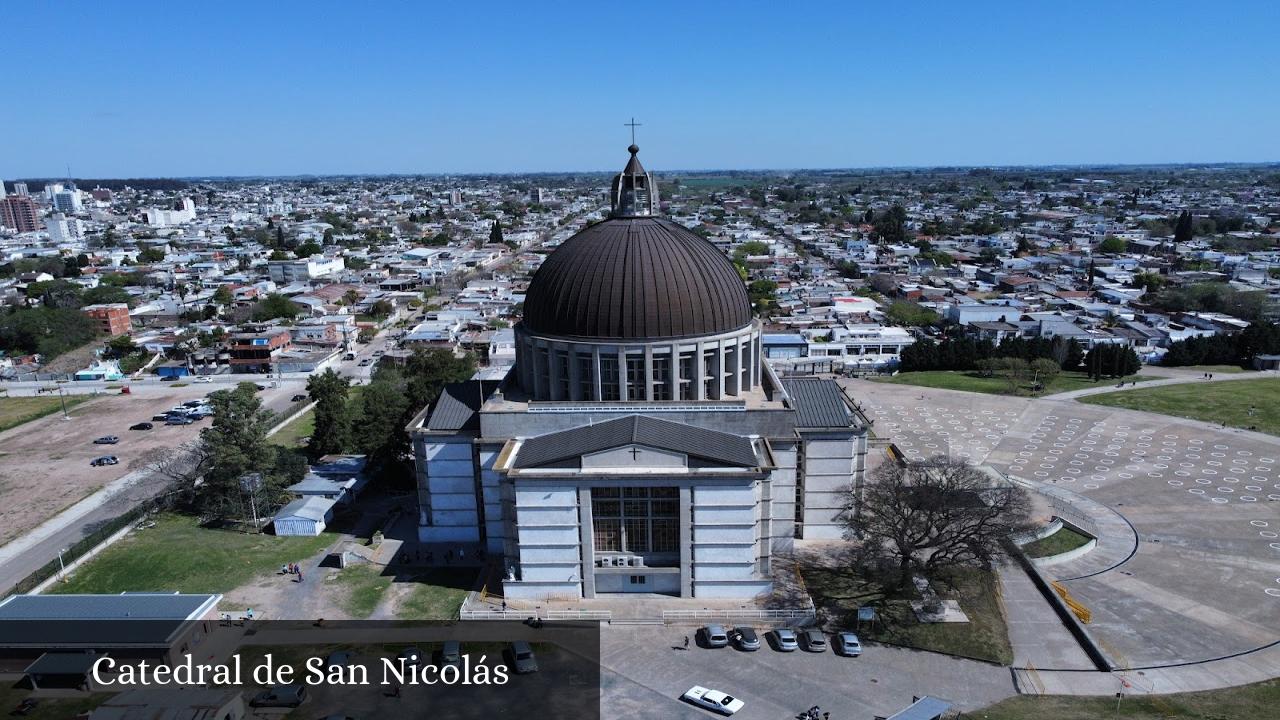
[633,125]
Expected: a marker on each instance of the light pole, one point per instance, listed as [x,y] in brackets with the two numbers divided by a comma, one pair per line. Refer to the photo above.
[62,568]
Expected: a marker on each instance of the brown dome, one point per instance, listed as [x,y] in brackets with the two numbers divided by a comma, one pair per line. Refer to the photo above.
[636,278]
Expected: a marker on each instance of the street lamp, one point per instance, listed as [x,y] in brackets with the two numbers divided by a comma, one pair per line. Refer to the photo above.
[62,568]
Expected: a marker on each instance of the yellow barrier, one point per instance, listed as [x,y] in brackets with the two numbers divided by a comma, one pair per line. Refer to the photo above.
[1080,611]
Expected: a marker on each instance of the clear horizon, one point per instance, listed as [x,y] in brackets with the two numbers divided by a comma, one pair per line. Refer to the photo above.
[324,89]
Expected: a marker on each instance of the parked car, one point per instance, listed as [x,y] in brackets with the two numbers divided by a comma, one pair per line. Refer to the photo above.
[160,417]
[365,362]
[203,379]
[813,640]
[522,658]
[411,656]
[141,426]
[260,386]
[784,640]
[713,636]
[847,644]
[713,700]
[349,356]
[338,659]
[178,420]
[106,440]
[451,653]
[379,353]
[105,460]
[299,397]
[288,696]
[169,378]
[193,404]
[745,638]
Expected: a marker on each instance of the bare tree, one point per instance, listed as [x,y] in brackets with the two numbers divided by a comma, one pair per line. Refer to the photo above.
[938,514]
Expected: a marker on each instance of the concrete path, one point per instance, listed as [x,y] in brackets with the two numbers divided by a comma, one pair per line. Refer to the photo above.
[1035,632]
[1179,377]
[1252,667]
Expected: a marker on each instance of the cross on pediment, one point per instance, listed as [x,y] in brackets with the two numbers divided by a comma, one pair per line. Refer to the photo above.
[635,453]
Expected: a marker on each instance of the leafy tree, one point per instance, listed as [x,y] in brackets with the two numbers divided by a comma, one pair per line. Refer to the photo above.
[746,249]
[274,306]
[106,294]
[890,225]
[151,255]
[1184,228]
[1111,360]
[382,309]
[1111,245]
[56,293]
[332,432]
[495,232]
[48,331]
[222,296]
[938,515]
[121,345]
[440,239]
[761,293]
[307,249]
[236,444]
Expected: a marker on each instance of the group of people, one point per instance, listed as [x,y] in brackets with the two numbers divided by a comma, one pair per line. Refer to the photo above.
[813,714]
[292,569]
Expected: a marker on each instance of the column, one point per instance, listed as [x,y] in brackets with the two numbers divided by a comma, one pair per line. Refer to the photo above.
[622,374]
[648,373]
[673,378]
[554,373]
[686,541]
[700,386]
[575,374]
[586,543]
[595,373]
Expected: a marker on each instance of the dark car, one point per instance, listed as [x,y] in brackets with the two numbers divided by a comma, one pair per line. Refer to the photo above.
[410,656]
[141,426]
[289,696]
[106,440]
[105,460]
[161,417]
[169,378]
[745,638]
[298,398]
[522,659]
[178,420]
[365,362]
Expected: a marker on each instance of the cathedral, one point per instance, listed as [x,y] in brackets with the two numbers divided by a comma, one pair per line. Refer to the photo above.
[641,443]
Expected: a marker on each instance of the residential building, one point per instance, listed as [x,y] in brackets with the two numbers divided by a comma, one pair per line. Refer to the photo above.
[112,318]
[20,213]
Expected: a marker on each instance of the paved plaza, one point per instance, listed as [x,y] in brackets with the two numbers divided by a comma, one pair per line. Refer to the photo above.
[1188,563]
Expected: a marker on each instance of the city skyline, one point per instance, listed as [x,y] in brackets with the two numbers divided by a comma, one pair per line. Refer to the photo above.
[399,89]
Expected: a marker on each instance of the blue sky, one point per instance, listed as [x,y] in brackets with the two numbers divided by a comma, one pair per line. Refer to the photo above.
[179,89]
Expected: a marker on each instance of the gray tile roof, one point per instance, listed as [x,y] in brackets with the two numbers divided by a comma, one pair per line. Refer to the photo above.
[459,404]
[134,606]
[720,447]
[818,403]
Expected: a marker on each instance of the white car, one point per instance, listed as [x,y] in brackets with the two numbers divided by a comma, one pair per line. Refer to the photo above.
[713,700]
[203,379]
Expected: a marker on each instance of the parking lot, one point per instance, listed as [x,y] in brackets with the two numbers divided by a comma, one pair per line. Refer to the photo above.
[646,669]
[1202,579]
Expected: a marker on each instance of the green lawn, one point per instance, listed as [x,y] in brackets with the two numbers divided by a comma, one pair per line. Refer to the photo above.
[1248,702]
[295,434]
[363,586]
[1223,403]
[1062,541]
[839,592]
[15,411]
[1218,369]
[58,708]
[179,555]
[437,595]
[975,382]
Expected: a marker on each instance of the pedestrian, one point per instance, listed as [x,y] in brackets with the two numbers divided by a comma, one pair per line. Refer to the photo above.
[826,716]
[248,614]
[460,555]
[299,574]
[686,642]
[504,604]
[284,569]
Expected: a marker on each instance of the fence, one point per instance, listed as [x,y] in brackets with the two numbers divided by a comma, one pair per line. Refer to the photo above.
[601,615]
[728,614]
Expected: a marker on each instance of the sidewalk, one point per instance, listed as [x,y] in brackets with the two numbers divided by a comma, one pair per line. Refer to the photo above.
[1035,632]
[1180,377]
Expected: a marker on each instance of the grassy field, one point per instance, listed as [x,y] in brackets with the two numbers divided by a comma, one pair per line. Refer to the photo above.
[1222,403]
[1062,541]
[15,411]
[363,587]
[839,592]
[1218,369]
[177,554]
[974,382]
[1249,702]
[48,708]
[295,434]
[437,595]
